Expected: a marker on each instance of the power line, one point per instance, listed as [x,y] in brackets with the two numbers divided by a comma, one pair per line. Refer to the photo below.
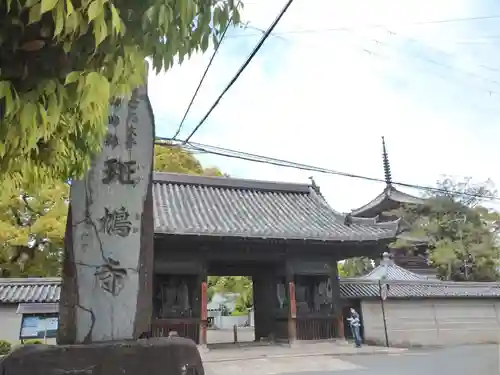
[415,56]
[459,19]
[267,33]
[179,128]
[425,59]
[242,68]
[241,155]
[391,32]
[368,26]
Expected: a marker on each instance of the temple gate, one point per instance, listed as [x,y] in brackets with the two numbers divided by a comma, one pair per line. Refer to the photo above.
[285,236]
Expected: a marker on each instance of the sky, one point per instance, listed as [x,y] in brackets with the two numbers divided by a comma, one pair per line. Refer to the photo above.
[336,76]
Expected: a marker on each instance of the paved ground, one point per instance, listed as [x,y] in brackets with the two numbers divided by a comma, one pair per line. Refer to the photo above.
[251,351]
[258,359]
[483,359]
[479,359]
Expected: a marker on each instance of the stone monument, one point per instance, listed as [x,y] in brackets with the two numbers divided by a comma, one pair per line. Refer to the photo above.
[106,298]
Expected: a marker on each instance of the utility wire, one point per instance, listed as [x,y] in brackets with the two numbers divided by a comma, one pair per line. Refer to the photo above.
[425,59]
[242,68]
[235,154]
[335,29]
[179,128]
[472,74]
[390,32]
[379,42]
[436,62]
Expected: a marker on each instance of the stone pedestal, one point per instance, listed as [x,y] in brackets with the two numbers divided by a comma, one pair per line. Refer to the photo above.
[166,356]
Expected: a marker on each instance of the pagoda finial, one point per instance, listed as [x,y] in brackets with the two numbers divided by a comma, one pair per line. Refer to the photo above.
[387,166]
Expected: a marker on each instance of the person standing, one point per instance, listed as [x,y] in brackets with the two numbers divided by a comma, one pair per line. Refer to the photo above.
[355,324]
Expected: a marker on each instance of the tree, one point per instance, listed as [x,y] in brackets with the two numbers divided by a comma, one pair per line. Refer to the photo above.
[32,222]
[63,61]
[32,225]
[460,232]
[241,285]
[172,158]
[355,267]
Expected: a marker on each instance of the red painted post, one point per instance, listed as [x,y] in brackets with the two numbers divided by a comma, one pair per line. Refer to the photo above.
[204,315]
[293,303]
[292,324]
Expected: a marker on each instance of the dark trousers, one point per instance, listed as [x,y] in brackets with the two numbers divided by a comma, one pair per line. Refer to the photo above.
[357,335]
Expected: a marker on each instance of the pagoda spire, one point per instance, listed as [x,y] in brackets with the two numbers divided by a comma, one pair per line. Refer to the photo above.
[387,166]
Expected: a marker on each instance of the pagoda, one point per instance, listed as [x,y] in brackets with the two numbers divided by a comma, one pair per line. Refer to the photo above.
[382,206]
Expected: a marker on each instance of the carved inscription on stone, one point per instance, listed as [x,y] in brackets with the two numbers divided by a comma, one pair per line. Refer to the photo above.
[116,222]
[116,170]
[131,134]
[132,120]
[111,276]
[112,139]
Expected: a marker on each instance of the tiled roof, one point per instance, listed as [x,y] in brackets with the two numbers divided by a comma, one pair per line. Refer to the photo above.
[221,206]
[48,290]
[38,308]
[394,272]
[356,288]
[388,270]
[31,290]
[389,199]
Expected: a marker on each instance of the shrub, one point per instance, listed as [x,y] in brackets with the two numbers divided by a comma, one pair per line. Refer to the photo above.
[33,342]
[5,347]
[239,313]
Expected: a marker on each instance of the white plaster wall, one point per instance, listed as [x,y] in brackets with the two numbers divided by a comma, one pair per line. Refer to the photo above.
[433,321]
[10,323]
[227,322]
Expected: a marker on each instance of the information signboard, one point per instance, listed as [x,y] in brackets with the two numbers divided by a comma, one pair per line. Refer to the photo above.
[38,326]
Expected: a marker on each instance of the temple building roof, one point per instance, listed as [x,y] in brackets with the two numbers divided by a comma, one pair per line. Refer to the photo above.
[417,289]
[390,198]
[388,270]
[229,207]
[46,291]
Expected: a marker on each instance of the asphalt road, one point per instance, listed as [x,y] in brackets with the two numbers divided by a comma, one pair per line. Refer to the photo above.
[464,360]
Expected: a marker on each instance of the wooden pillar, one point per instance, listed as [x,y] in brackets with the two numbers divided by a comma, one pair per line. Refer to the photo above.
[292,310]
[336,300]
[203,311]
[264,298]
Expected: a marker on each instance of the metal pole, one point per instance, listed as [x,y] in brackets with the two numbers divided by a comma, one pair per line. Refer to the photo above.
[383,313]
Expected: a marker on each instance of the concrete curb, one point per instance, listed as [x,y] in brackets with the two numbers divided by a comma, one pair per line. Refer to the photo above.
[334,354]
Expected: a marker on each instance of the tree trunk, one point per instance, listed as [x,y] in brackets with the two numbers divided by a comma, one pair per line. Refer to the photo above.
[108,266]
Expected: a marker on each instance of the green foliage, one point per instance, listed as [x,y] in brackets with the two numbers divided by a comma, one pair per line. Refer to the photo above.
[63,61]
[32,225]
[240,312]
[233,284]
[5,347]
[340,270]
[39,215]
[33,342]
[169,158]
[355,267]
[460,233]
